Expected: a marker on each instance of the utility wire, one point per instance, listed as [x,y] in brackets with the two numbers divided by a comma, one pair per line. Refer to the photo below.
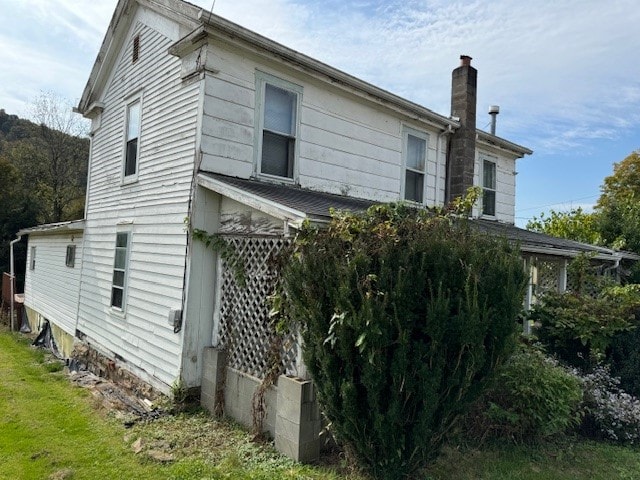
[556,203]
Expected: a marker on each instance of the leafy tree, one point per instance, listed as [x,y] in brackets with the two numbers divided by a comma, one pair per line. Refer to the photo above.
[404,316]
[60,156]
[618,207]
[575,224]
[43,169]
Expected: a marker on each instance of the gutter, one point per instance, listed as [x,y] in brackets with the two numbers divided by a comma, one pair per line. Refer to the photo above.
[446,131]
[12,280]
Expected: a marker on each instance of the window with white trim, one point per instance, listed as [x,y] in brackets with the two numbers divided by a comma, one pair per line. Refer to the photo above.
[70,258]
[120,267]
[132,145]
[488,187]
[415,163]
[278,126]
[32,263]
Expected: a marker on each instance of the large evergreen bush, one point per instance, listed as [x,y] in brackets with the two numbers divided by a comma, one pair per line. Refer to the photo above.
[404,316]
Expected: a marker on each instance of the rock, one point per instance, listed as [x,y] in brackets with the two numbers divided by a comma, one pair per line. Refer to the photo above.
[137,445]
[160,456]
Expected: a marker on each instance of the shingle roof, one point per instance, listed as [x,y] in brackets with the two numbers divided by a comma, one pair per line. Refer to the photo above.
[317,205]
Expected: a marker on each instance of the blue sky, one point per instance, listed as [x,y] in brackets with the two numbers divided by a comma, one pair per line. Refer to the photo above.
[565,73]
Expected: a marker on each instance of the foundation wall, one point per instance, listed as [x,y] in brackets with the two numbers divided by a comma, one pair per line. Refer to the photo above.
[292,416]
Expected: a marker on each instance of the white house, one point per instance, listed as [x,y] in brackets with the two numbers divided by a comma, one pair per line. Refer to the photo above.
[196,118]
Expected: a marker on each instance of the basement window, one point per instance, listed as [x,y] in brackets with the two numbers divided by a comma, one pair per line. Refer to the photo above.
[136,48]
[415,162]
[488,188]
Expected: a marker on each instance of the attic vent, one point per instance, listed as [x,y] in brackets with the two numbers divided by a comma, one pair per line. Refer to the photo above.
[136,48]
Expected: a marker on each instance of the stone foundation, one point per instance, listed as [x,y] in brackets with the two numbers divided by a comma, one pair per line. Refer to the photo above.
[292,415]
[86,357]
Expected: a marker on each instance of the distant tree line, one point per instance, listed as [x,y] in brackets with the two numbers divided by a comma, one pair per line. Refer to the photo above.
[43,171]
[615,221]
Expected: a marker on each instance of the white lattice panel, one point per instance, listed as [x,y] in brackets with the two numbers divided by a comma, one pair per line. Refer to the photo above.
[548,273]
[245,328]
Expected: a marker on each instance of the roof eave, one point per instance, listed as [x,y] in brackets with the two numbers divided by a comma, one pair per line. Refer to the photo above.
[74,226]
[293,217]
[180,11]
[218,27]
[495,141]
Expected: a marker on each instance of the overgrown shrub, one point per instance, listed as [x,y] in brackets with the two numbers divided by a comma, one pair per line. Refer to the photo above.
[579,328]
[404,316]
[623,355]
[531,397]
[611,412]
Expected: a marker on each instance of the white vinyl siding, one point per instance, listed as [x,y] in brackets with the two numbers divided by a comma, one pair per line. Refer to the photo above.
[52,289]
[153,208]
[345,144]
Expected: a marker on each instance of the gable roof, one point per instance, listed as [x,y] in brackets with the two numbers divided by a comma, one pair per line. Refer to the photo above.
[183,12]
[295,204]
[205,24]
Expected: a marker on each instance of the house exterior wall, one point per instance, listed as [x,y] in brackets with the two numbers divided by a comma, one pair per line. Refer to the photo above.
[347,145]
[152,208]
[51,288]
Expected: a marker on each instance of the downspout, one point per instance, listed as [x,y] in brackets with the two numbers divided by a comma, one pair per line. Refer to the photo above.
[12,281]
[446,131]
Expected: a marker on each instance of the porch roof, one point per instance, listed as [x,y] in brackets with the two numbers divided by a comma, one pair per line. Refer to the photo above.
[53,228]
[295,204]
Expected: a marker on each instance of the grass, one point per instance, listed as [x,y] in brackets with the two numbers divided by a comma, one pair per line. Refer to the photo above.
[50,429]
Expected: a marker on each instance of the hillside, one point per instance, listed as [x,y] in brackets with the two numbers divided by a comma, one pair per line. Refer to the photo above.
[43,172]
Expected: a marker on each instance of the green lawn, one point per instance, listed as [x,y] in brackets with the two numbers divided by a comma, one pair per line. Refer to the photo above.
[50,429]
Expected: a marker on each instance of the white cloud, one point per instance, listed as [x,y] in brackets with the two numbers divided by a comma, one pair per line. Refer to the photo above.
[564,70]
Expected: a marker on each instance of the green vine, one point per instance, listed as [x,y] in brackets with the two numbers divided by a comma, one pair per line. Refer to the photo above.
[227,253]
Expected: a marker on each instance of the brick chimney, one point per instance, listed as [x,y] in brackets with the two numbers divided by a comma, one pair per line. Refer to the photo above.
[462,146]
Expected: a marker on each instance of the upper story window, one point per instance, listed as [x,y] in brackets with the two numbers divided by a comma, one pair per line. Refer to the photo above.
[132,146]
[70,259]
[415,163]
[278,126]
[120,267]
[488,188]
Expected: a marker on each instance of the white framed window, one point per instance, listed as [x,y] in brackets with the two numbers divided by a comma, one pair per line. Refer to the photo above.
[132,141]
[488,187]
[32,258]
[415,145]
[278,124]
[70,258]
[120,270]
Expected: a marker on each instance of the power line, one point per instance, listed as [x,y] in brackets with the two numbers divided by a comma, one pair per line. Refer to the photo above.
[556,203]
